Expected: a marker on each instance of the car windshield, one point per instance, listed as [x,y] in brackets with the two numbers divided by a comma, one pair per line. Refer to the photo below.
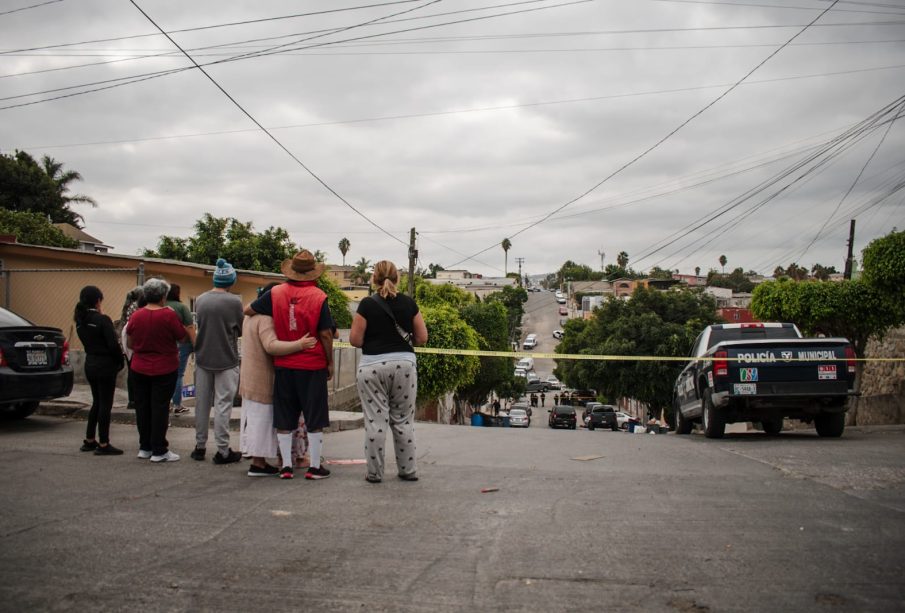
[564,410]
[518,413]
[10,319]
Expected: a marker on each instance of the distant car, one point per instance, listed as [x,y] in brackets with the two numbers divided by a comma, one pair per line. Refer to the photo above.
[563,310]
[623,419]
[526,364]
[520,372]
[518,418]
[603,416]
[530,342]
[536,385]
[586,411]
[562,416]
[561,299]
[558,334]
[553,383]
[523,406]
[34,365]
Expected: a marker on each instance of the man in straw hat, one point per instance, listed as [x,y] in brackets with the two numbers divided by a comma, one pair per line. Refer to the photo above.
[299,307]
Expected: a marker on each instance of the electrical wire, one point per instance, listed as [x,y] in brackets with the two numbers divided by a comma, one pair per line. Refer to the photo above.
[665,138]
[33,6]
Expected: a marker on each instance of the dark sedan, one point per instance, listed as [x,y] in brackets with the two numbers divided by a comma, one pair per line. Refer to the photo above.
[562,416]
[34,365]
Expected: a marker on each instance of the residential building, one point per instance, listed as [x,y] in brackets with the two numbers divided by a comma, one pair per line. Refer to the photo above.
[85,240]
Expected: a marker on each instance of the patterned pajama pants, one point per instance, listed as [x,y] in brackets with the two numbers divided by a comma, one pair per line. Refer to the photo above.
[387,391]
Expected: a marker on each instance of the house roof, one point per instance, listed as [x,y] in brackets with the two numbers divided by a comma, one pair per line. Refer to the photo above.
[78,234]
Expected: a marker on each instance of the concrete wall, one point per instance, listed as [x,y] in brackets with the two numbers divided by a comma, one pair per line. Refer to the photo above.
[882,398]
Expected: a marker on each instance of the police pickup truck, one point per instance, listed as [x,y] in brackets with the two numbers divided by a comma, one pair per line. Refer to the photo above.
[764,372]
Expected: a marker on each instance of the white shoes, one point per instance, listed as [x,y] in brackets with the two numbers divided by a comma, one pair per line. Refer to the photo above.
[169,456]
[143,455]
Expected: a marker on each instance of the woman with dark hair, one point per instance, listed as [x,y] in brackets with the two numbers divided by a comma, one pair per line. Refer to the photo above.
[386,327]
[184,347]
[152,334]
[103,360]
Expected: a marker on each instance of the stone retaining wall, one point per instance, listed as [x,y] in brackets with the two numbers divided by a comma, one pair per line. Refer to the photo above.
[882,398]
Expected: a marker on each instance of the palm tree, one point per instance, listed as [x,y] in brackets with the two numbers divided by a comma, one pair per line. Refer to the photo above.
[506,244]
[361,274]
[697,271]
[723,261]
[61,179]
[344,245]
[622,259]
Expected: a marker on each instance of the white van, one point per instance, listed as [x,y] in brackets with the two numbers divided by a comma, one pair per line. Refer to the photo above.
[530,342]
[526,364]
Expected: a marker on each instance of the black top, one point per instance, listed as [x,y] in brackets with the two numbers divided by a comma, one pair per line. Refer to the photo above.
[103,355]
[381,335]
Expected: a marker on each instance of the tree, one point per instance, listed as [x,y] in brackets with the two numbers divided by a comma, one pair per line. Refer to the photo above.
[344,245]
[737,280]
[723,261]
[506,244]
[818,271]
[513,298]
[697,271]
[61,179]
[490,321]
[652,323]
[658,273]
[362,273]
[883,263]
[33,229]
[26,186]
[433,270]
[622,259]
[440,374]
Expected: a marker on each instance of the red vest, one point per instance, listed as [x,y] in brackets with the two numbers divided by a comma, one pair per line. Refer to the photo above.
[297,310]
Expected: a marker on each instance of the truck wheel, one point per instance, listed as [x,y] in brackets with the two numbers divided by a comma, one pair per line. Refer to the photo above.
[830,424]
[714,421]
[683,426]
[590,426]
[772,426]
[614,428]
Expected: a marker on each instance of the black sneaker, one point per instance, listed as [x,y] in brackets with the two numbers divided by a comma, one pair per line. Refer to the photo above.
[263,471]
[286,472]
[197,454]
[317,473]
[107,450]
[409,477]
[230,457]
[88,446]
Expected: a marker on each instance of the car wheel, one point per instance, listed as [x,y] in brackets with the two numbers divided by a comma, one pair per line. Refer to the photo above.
[21,410]
[830,425]
[772,426]
[683,426]
[614,428]
[573,426]
[714,421]
[590,426]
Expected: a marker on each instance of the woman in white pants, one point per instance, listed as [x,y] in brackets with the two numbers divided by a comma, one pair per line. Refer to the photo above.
[386,327]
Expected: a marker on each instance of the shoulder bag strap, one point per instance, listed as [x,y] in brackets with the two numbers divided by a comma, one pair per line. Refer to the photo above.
[386,307]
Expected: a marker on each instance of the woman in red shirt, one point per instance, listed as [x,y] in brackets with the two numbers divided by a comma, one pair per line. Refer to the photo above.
[152,334]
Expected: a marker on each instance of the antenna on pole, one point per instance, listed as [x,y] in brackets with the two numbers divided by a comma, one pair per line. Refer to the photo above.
[601,254]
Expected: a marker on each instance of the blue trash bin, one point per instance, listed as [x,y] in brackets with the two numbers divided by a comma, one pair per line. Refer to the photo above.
[631,426]
[506,422]
[477,419]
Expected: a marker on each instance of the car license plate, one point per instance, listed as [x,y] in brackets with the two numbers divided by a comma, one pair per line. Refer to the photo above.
[745,388]
[826,372]
[36,357]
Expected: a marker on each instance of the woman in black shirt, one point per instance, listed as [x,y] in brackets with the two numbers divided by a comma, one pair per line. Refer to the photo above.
[103,360]
[386,326]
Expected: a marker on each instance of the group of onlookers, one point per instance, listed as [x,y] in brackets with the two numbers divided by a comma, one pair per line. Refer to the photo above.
[286,363]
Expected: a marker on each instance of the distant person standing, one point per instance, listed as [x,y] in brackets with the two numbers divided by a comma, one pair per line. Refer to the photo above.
[386,327]
[103,361]
[543,398]
[184,347]
[134,301]
[217,363]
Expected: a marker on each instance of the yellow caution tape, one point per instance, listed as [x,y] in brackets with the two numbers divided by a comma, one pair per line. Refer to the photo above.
[612,358]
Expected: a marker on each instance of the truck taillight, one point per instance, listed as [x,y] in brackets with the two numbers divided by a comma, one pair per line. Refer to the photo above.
[3,359]
[720,364]
[64,358]
[850,359]
[752,325]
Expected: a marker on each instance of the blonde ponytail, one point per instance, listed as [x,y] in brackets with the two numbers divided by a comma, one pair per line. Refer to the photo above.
[385,278]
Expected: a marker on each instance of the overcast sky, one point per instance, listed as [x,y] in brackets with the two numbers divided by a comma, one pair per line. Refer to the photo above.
[523,120]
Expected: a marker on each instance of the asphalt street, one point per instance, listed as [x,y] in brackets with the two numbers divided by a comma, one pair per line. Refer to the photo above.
[579,521]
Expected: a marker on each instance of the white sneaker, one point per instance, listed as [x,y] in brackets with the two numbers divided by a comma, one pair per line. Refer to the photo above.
[169,456]
[143,455]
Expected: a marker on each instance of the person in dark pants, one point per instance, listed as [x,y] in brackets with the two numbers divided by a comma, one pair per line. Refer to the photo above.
[152,334]
[134,301]
[103,360]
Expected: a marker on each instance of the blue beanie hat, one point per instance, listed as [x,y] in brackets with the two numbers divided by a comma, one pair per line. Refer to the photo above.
[225,275]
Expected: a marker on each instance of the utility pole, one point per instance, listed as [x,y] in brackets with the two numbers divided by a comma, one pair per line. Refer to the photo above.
[601,254]
[519,260]
[851,244]
[413,256]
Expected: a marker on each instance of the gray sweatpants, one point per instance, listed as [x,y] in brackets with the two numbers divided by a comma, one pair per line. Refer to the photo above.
[388,391]
[214,389]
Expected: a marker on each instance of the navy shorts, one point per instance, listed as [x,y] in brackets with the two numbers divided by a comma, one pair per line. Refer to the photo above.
[300,392]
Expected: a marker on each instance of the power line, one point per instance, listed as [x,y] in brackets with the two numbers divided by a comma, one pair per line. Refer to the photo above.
[670,134]
[33,6]
[263,129]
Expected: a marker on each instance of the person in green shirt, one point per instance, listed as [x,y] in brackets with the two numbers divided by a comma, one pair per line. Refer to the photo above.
[185,347]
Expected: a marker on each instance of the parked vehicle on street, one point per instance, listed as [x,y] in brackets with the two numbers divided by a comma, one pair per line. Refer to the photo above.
[586,411]
[558,334]
[536,385]
[520,372]
[764,372]
[562,416]
[526,364]
[530,342]
[34,365]
[603,416]
[553,383]
[563,310]
[623,420]
[561,299]
[518,418]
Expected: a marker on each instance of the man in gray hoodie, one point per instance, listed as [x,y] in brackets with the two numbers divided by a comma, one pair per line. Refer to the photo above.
[219,315]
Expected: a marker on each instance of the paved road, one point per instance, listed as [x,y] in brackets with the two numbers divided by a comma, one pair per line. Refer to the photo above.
[655,523]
